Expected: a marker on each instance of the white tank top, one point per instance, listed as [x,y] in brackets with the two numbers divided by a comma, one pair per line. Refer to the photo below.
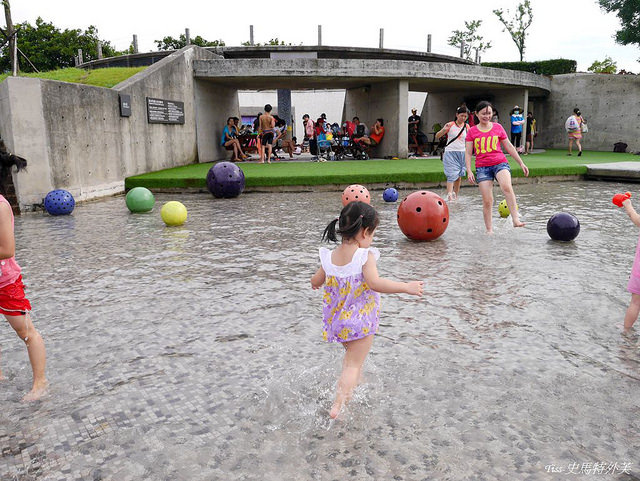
[457,145]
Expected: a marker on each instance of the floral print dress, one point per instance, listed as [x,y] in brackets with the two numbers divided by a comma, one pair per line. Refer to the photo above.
[350,308]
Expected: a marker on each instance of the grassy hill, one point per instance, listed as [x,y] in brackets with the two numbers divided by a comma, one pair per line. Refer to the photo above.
[102,77]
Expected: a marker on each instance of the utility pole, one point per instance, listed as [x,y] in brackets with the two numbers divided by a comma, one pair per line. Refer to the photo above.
[11,33]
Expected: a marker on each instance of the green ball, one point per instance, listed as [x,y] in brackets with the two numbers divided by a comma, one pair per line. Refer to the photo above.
[174,213]
[503,209]
[140,199]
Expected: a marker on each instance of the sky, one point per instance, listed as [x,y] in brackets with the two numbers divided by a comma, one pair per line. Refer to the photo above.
[574,29]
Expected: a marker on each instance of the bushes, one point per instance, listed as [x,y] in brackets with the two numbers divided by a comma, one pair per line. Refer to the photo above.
[542,67]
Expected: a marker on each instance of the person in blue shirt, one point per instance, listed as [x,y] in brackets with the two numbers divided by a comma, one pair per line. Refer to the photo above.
[230,140]
[517,119]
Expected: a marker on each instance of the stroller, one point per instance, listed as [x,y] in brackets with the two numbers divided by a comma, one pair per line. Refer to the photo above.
[325,147]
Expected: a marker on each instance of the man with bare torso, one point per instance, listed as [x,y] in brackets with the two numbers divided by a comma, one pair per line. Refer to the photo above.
[266,130]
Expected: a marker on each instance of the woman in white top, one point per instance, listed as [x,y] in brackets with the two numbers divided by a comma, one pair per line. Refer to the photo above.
[453,160]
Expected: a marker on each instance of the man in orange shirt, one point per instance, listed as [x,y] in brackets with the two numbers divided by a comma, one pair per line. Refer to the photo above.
[375,136]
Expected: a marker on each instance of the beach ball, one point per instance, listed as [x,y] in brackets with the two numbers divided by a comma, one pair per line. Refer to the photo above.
[140,199]
[225,179]
[503,209]
[355,192]
[563,226]
[59,202]
[174,213]
[390,195]
[423,215]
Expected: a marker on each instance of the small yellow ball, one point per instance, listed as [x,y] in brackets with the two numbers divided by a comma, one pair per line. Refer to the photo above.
[503,209]
[174,213]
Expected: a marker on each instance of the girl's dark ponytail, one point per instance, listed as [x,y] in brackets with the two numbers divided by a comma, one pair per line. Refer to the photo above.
[354,217]
[329,233]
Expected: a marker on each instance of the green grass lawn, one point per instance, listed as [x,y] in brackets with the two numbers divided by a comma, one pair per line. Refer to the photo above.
[551,162]
[102,77]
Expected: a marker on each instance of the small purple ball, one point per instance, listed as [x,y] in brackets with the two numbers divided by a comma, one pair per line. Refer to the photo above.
[225,180]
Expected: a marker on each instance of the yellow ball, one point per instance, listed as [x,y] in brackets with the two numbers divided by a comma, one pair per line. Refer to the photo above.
[503,209]
[174,213]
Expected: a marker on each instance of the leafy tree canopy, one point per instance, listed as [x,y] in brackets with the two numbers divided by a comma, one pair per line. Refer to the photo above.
[170,43]
[469,36]
[628,11]
[517,27]
[605,66]
[273,41]
[50,48]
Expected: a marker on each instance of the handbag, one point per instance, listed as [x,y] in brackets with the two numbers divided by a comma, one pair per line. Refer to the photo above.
[584,127]
[463,129]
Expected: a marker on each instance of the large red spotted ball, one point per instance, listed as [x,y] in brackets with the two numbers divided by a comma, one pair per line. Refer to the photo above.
[423,215]
[355,192]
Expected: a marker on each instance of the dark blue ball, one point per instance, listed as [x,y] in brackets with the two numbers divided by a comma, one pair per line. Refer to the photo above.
[225,179]
[59,202]
[563,227]
[390,195]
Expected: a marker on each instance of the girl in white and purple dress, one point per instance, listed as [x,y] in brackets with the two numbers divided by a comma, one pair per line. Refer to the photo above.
[352,285]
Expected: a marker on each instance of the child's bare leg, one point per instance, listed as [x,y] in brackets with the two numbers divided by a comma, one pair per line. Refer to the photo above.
[449,190]
[37,354]
[504,179]
[456,188]
[632,311]
[486,189]
[354,357]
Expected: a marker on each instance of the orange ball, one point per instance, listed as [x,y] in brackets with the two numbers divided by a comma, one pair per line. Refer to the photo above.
[423,215]
[355,192]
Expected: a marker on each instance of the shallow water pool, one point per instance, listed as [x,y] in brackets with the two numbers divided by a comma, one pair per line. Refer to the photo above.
[195,353]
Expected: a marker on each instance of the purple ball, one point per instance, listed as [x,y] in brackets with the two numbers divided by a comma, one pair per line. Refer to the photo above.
[563,226]
[226,180]
[59,202]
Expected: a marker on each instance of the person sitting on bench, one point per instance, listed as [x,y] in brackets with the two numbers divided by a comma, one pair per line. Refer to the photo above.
[375,135]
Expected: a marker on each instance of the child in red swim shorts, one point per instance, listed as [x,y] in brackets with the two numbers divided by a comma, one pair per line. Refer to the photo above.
[15,306]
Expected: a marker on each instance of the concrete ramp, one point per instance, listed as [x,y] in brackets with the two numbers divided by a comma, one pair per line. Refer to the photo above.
[619,171]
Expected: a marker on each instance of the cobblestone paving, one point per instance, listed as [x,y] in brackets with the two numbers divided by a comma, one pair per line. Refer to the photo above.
[194,353]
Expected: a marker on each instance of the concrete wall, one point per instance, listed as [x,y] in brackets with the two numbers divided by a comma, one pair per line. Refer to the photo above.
[160,146]
[74,138]
[610,103]
[214,105]
[439,108]
[24,131]
[386,100]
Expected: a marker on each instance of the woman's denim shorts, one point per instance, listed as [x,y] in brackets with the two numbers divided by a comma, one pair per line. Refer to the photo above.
[490,172]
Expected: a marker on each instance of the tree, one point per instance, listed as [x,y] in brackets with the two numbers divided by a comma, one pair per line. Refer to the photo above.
[10,32]
[606,66]
[273,41]
[472,41]
[628,11]
[49,48]
[519,25]
[170,43]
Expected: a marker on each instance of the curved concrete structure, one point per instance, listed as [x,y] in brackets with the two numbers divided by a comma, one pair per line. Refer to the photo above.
[377,82]
[299,73]
[281,51]
[374,87]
